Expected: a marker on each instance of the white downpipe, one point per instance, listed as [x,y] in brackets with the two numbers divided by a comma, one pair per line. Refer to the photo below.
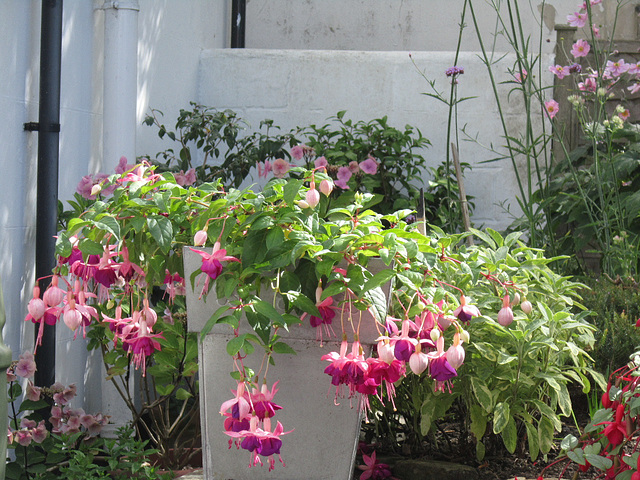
[120,81]
[119,133]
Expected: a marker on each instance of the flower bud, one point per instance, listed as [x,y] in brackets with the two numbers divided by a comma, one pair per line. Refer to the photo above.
[96,189]
[313,197]
[302,204]
[464,336]
[505,315]
[526,306]
[516,300]
[326,187]
[36,306]
[200,238]
[435,335]
[418,362]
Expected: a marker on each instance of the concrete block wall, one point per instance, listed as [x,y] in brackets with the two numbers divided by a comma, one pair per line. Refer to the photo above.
[304,87]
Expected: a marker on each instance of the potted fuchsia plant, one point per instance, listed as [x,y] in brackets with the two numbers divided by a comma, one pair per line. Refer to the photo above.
[269,276]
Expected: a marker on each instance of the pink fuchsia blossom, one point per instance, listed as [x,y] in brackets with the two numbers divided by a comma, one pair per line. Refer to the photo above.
[312,196]
[238,407]
[280,167]
[211,261]
[455,353]
[36,306]
[552,108]
[327,314]
[200,238]
[369,166]
[580,49]
[53,295]
[577,19]
[559,71]
[262,401]
[26,365]
[372,470]
[439,367]
[466,312]
[261,441]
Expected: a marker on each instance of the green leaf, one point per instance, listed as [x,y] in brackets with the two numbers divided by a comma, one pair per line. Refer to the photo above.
[269,311]
[110,224]
[281,347]
[510,435]
[479,421]
[291,191]
[235,344]
[161,230]
[182,394]
[545,434]
[379,279]
[532,441]
[480,451]
[213,320]
[89,247]
[378,302]
[482,393]
[501,416]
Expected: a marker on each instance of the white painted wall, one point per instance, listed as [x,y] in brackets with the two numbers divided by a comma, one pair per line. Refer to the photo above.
[416,25]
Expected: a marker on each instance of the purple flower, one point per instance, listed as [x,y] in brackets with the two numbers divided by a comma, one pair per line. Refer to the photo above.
[441,370]
[369,166]
[454,71]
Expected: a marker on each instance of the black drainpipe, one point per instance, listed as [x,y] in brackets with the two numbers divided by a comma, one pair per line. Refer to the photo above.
[238,22]
[47,196]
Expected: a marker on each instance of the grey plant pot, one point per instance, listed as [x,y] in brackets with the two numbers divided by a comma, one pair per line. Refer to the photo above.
[325,437]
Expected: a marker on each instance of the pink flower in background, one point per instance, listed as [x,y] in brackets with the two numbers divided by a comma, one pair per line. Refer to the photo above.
[188,178]
[33,393]
[280,167]
[617,68]
[596,31]
[26,366]
[624,114]
[320,162]
[552,108]
[344,174]
[123,166]
[559,71]
[369,166]
[297,152]
[353,166]
[577,19]
[590,84]
[264,168]
[580,49]
[520,77]
[211,261]
[634,88]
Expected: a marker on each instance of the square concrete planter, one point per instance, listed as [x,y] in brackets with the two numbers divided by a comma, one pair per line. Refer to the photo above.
[325,437]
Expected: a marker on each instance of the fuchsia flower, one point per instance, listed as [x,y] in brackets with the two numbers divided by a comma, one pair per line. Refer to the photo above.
[372,470]
[262,401]
[439,367]
[36,306]
[327,314]
[211,262]
[616,430]
[466,312]
[261,441]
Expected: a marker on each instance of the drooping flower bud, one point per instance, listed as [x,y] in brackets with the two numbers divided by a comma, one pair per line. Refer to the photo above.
[505,315]
[200,238]
[435,335]
[526,306]
[36,306]
[516,300]
[53,295]
[418,361]
[455,353]
[313,196]
[326,187]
